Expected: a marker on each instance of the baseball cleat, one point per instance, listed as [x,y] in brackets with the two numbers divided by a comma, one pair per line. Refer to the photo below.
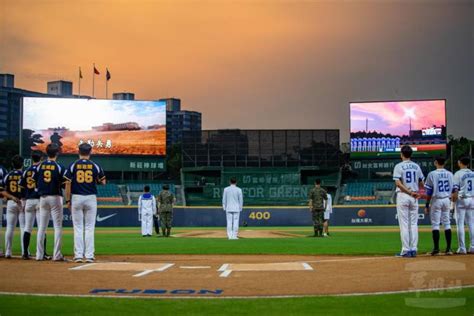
[448,252]
[413,253]
[90,260]
[403,255]
[25,257]
[77,260]
[8,256]
[435,252]
[62,259]
[47,257]
[461,251]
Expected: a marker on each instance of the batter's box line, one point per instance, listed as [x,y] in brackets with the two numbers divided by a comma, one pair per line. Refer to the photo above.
[225,272]
[82,266]
[163,268]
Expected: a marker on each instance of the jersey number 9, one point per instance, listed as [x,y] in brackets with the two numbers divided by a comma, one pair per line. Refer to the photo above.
[30,183]
[47,176]
[84,176]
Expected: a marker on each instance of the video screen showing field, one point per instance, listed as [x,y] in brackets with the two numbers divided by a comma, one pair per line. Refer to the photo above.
[111,127]
[382,128]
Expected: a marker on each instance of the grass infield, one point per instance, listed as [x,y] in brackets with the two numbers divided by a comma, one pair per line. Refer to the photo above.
[389,304]
[110,241]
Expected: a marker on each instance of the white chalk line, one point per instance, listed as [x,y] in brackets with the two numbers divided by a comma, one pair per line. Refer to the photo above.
[306,266]
[225,274]
[143,273]
[223,267]
[82,266]
[161,269]
[238,296]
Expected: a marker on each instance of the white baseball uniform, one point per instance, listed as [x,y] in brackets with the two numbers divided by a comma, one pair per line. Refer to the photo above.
[410,174]
[232,203]
[146,210]
[83,175]
[14,210]
[328,208]
[464,184]
[49,180]
[439,185]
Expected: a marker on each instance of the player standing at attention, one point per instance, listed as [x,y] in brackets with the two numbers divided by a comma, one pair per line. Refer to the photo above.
[317,196]
[81,178]
[146,210]
[49,181]
[408,180]
[31,204]
[464,198]
[232,203]
[3,173]
[439,187]
[327,215]
[12,192]
[166,201]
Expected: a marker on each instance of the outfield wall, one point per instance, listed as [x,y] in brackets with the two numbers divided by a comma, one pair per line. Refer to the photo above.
[253,216]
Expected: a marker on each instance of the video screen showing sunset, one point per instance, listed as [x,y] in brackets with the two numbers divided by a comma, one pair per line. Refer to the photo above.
[111,127]
[382,128]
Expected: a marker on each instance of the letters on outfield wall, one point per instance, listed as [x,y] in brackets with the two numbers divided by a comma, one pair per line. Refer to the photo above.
[252,217]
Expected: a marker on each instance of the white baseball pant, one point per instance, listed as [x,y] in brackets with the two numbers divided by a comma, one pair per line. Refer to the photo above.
[232,224]
[50,206]
[14,214]
[1,225]
[407,212]
[84,212]
[147,222]
[465,215]
[439,213]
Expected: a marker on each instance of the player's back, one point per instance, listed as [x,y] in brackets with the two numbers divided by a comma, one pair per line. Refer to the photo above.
[49,178]
[464,182]
[439,183]
[28,183]
[12,183]
[409,173]
[84,174]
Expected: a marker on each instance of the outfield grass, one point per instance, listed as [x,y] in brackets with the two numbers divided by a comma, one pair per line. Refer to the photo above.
[129,241]
[390,304]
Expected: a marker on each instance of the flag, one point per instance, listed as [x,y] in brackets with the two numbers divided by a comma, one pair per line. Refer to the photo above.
[108,75]
[80,73]
[96,71]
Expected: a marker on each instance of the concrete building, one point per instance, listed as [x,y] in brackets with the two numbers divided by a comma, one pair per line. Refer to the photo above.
[60,87]
[172,104]
[123,96]
[178,121]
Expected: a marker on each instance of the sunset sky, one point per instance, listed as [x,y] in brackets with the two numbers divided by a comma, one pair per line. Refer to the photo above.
[251,64]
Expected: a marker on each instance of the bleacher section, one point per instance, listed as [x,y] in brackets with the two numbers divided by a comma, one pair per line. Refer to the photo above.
[127,194]
[367,192]
[261,186]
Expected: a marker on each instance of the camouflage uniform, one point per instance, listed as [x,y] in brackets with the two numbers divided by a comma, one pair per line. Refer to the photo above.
[317,195]
[165,200]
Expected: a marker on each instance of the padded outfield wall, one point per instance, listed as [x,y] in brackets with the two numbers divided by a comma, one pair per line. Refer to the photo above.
[252,216]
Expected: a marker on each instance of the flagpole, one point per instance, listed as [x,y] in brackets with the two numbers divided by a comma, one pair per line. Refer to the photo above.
[79,93]
[93,79]
[106,86]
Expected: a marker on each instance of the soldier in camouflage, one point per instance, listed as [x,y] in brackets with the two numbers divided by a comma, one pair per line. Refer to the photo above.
[316,197]
[165,201]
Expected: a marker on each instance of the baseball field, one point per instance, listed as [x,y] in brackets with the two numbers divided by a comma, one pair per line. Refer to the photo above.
[269,271]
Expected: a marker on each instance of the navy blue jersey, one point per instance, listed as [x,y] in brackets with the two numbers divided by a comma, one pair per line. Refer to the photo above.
[84,174]
[12,183]
[28,183]
[49,178]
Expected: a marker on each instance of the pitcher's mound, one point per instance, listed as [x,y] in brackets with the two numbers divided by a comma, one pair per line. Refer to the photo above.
[243,233]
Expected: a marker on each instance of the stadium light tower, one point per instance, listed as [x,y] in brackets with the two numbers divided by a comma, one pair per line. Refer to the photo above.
[410,114]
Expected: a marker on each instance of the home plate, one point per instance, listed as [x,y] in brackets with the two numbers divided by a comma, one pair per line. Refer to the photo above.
[228,268]
[143,268]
